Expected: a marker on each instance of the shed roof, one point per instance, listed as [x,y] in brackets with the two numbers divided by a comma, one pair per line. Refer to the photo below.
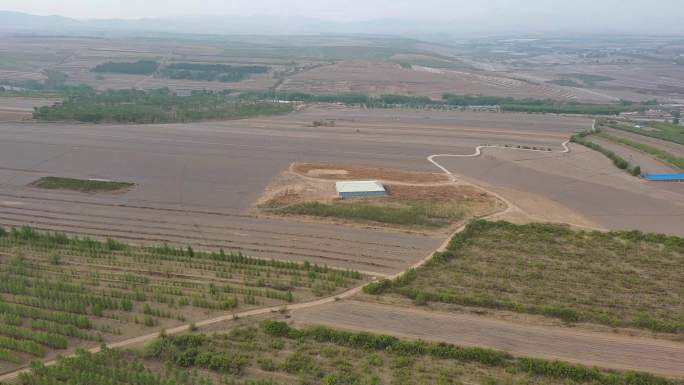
[665,177]
[359,186]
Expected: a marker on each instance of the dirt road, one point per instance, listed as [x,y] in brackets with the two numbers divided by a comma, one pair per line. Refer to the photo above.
[594,349]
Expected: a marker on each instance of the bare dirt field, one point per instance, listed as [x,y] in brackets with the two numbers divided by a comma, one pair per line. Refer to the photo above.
[28,57]
[14,109]
[636,81]
[583,181]
[385,78]
[594,349]
[197,183]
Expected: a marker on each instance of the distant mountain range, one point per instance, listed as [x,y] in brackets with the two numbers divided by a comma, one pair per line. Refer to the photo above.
[210,25]
[543,21]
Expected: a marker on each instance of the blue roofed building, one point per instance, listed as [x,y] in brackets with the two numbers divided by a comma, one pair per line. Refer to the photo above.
[664,177]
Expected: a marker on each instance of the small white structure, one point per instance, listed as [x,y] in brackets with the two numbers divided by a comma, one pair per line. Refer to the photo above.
[360,189]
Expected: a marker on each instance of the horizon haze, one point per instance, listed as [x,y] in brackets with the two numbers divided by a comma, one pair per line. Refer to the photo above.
[375,16]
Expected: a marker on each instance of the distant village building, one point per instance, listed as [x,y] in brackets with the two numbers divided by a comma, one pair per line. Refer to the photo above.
[652,114]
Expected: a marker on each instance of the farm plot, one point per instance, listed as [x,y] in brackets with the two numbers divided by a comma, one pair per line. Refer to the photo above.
[58,292]
[622,279]
[384,78]
[661,144]
[276,353]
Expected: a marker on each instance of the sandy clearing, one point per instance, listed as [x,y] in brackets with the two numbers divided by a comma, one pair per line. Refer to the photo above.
[588,348]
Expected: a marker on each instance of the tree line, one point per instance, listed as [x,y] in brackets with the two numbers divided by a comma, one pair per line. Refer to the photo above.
[211,72]
[506,104]
[157,106]
[141,67]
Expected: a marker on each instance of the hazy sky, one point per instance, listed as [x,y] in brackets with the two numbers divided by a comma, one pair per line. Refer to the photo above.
[624,10]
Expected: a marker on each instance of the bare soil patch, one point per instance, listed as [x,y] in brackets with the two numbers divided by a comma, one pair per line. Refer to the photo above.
[428,205]
[340,172]
[14,116]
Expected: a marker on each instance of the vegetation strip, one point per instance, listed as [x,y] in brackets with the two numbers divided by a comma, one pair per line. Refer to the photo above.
[506,104]
[487,357]
[420,214]
[658,153]
[551,270]
[83,185]
[141,67]
[315,355]
[618,161]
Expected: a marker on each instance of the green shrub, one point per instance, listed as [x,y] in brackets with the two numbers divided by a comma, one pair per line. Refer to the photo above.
[276,328]
[421,299]
[377,287]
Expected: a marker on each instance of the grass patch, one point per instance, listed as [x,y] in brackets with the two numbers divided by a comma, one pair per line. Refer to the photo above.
[418,214]
[82,185]
[626,279]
